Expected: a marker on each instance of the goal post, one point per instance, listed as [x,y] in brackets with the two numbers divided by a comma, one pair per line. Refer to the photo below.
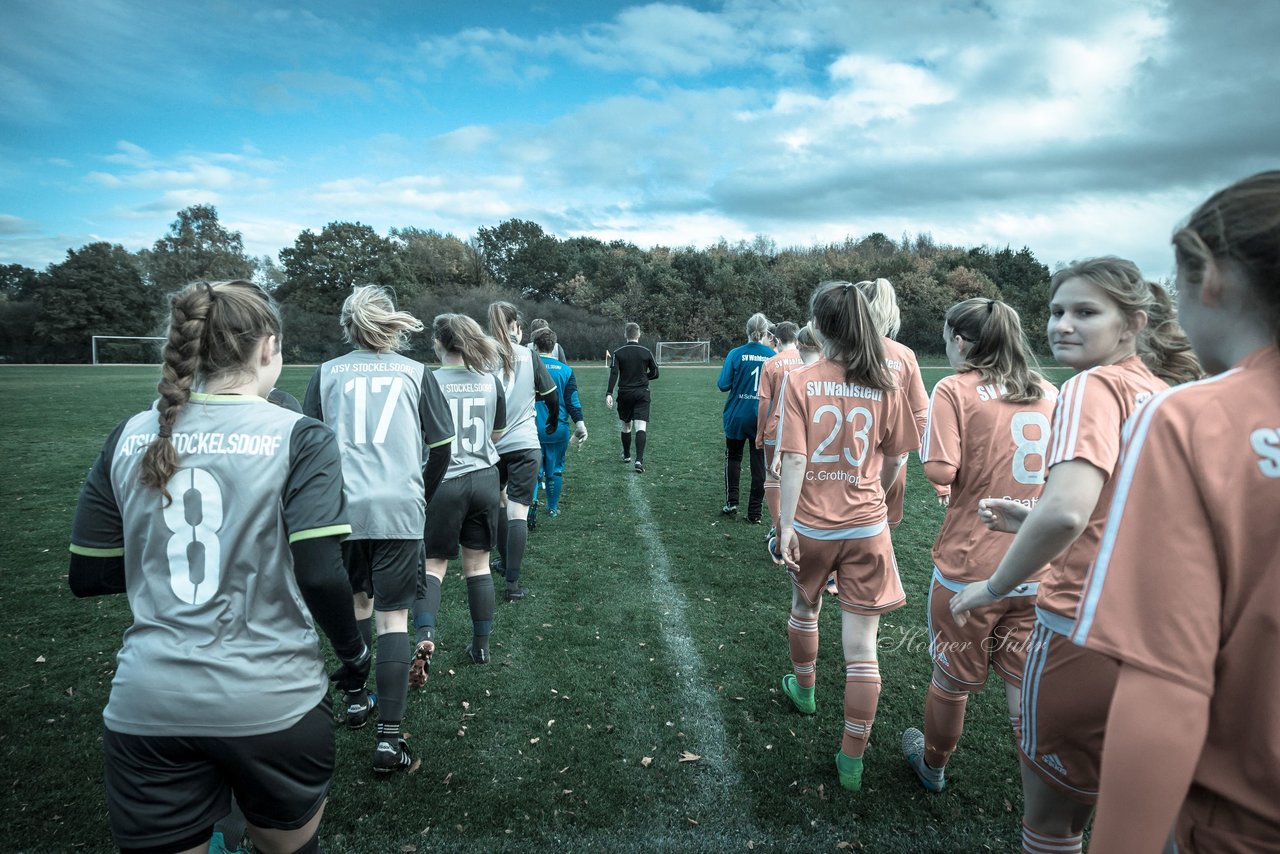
[137,352]
[683,352]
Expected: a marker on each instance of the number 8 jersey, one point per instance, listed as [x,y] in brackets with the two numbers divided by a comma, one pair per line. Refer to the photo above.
[221,642]
[999,449]
[844,430]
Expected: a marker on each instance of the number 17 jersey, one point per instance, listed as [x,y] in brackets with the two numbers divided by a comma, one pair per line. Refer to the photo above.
[844,430]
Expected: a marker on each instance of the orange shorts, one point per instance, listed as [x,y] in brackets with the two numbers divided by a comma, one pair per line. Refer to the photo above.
[997,636]
[1066,696]
[867,579]
[1209,823]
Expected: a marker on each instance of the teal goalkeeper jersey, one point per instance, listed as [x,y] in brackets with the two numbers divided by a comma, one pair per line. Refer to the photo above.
[221,642]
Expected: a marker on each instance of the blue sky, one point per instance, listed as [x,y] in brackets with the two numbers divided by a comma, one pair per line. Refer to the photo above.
[1076,129]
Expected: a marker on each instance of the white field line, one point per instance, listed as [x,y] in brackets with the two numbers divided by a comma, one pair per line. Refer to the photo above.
[719,784]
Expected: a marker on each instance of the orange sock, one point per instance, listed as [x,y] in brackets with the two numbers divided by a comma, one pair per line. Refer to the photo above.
[943,724]
[861,695]
[1035,842]
[802,636]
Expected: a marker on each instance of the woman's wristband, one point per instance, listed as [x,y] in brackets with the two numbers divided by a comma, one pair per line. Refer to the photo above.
[992,591]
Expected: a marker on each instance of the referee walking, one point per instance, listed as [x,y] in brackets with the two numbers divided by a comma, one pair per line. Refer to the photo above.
[632,369]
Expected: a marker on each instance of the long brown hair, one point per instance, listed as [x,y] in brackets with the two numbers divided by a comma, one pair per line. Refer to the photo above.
[1162,345]
[998,350]
[501,316]
[1238,226]
[849,335]
[462,336]
[215,329]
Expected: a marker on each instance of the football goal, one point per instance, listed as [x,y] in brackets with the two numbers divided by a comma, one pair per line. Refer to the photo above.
[127,349]
[683,352]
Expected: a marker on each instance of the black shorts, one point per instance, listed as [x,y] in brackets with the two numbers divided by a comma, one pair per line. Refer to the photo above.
[633,404]
[385,570]
[167,792]
[518,474]
[464,511]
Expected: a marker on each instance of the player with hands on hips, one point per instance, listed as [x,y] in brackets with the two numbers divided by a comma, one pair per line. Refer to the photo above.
[1117,330]
[252,494]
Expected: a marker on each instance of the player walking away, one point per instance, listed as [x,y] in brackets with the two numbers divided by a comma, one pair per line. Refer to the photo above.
[740,377]
[524,379]
[1184,589]
[632,370]
[902,363]
[845,427]
[1116,330]
[554,445]
[536,324]
[384,408]
[987,435]
[219,516]
[462,517]
[772,374]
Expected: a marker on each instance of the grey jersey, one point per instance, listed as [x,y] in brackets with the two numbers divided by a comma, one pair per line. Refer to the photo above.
[479,408]
[382,412]
[529,380]
[556,353]
[221,642]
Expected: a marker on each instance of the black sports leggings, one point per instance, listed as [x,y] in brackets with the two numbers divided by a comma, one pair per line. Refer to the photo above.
[733,473]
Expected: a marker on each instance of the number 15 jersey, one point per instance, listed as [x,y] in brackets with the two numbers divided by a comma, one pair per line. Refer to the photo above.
[478,405]
[844,430]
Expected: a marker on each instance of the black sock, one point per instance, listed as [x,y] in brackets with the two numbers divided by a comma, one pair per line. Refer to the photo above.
[517,536]
[366,630]
[425,608]
[626,444]
[480,601]
[394,655]
[388,730]
[502,535]
[640,437]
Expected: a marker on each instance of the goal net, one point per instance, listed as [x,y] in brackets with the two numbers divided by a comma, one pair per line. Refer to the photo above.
[683,352]
[127,349]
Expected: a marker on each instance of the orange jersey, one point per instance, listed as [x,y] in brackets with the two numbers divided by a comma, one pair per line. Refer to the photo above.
[999,450]
[901,362]
[1087,423]
[772,373]
[843,430]
[1188,574]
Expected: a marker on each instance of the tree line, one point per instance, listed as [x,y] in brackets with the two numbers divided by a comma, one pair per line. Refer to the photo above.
[584,287]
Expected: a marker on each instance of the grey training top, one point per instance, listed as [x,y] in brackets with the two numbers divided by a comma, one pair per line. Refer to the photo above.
[529,380]
[382,409]
[479,408]
[221,642]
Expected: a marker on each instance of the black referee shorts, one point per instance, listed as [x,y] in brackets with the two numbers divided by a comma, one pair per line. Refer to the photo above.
[633,404]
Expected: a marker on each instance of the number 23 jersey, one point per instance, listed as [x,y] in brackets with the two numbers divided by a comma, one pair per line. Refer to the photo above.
[843,430]
[221,642]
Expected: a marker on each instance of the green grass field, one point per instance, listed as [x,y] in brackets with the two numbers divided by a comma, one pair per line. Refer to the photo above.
[658,627]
